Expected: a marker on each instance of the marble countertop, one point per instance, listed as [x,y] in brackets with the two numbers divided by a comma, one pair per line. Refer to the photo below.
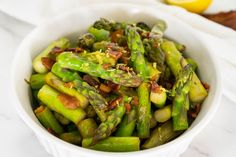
[216,140]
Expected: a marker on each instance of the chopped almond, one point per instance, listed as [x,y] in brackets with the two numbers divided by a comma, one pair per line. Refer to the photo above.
[105,88]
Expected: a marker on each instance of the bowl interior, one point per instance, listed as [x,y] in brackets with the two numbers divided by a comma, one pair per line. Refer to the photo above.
[76,22]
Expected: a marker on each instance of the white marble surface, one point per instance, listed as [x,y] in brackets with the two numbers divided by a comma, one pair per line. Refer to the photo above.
[17,140]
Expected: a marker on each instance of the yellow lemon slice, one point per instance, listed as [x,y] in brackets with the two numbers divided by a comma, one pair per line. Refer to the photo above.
[196,6]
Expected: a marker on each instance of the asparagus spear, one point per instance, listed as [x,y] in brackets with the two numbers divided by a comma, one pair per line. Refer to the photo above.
[86,40]
[107,127]
[37,81]
[144,110]
[180,121]
[108,25]
[48,120]
[158,29]
[143,26]
[174,58]
[37,62]
[163,114]
[99,34]
[158,95]
[114,144]
[90,111]
[139,63]
[35,97]
[137,51]
[99,57]
[95,99]
[87,127]
[180,47]
[72,137]
[103,23]
[71,61]
[154,73]
[181,89]
[54,100]
[59,85]
[65,74]
[152,45]
[160,135]
[127,125]
[100,46]
[153,122]
[181,103]
[193,63]
[61,119]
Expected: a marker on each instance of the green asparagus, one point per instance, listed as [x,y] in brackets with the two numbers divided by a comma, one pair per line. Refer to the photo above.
[193,63]
[61,119]
[55,101]
[163,114]
[107,127]
[99,58]
[86,40]
[174,58]
[72,137]
[99,34]
[114,144]
[158,96]
[160,135]
[87,127]
[100,46]
[137,57]
[144,111]
[180,92]
[127,125]
[37,62]
[71,61]
[95,99]
[37,81]
[48,120]
[59,85]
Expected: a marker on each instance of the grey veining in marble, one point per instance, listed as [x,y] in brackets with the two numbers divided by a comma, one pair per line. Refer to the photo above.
[218,139]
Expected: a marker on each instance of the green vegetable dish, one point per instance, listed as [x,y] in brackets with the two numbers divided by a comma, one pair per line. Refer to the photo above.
[122,87]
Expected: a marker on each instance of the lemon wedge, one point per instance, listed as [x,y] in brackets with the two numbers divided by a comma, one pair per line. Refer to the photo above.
[195,6]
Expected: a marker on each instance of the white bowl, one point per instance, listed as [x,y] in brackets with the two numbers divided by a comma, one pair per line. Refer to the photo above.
[76,22]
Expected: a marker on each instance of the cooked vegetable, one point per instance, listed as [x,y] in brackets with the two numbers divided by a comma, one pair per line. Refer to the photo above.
[127,125]
[61,119]
[37,81]
[86,40]
[87,127]
[123,87]
[99,34]
[99,57]
[180,92]
[38,64]
[72,137]
[48,120]
[160,135]
[140,64]
[57,102]
[114,144]
[95,99]
[174,58]
[158,95]
[61,86]
[163,114]
[71,61]
[114,118]
[193,63]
